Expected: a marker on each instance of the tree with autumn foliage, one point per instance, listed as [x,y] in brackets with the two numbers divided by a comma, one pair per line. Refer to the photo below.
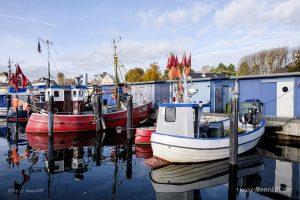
[153,73]
[135,75]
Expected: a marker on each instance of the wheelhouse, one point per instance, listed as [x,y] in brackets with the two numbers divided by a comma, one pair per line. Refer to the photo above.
[67,99]
[180,119]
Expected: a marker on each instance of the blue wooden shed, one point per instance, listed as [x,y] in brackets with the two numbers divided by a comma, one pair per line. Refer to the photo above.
[203,95]
[280,93]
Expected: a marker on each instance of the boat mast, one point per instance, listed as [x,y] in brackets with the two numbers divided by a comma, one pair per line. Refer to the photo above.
[49,72]
[116,74]
[47,43]
[9,69]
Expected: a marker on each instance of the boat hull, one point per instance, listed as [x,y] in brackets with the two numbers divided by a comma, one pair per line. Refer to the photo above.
[176,178]
[38,123]
[191,150]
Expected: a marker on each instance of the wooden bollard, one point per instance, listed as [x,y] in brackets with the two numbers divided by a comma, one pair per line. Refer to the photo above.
[8,104]
[129,137]
[233,148]
[17,121]
[129,118]
[98,113]
[50,133]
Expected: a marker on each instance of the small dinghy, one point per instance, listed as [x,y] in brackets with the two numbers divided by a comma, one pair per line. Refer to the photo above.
[180,138]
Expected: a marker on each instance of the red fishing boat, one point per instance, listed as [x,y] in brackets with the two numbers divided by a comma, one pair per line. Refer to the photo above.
[72,108]
[143,135]
[71,117]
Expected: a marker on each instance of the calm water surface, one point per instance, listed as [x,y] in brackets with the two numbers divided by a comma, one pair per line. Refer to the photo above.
[85,170]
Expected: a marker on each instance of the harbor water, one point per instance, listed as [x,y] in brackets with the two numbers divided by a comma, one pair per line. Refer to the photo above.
[84,169]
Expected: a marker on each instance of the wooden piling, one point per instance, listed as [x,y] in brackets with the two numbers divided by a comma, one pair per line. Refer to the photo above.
[50,133]
[232,190]
[233,149]
[98,113]
[8,104]
[17,121]
[129,137]
[129,118]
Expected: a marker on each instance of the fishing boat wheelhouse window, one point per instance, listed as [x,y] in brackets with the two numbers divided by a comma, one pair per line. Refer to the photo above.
[56,93]
[170,114]
[74,93]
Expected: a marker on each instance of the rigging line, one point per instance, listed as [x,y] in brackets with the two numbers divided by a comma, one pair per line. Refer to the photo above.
[59,57]
[54,64]
[133,83]
[44,64]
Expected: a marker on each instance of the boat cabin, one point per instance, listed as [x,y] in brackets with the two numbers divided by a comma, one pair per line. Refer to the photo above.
[67,99]
[180,119]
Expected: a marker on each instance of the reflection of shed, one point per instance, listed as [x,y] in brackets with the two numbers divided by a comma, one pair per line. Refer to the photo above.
[280,93]
[219,88]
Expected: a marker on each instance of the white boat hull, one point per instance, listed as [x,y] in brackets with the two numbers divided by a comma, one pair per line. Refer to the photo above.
[186,177]
[191,150]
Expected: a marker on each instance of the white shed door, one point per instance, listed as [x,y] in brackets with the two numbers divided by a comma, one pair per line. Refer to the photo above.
[285,98]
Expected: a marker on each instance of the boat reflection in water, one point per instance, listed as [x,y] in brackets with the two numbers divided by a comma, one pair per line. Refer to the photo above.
[183,181]
[68,151]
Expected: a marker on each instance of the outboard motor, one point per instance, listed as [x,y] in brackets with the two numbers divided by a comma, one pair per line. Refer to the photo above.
[253,116]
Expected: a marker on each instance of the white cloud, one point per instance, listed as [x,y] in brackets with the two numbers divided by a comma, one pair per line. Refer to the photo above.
[157,18]
[131,54]
[250,14]
[232,50]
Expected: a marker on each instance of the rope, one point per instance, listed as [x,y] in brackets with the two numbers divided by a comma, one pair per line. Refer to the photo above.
[133,83]
[58,55]
[44,64]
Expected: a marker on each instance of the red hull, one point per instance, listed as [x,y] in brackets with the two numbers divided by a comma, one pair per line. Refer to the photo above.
[143,152]
[40,141]
[143,135]
[38,123]
[13,119]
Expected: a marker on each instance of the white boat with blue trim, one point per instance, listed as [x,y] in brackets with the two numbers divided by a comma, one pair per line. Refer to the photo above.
[180,137]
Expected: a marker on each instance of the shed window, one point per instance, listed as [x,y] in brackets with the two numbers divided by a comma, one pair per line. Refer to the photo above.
[56,93]
[285,89]
[170,115]
[74,93]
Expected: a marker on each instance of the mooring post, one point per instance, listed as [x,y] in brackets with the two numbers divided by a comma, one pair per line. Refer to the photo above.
[233,149]
[129,137]
[50,133]
[98,117]
[29,107]
[129,119]
[17,121]
[8,103]
[98,113]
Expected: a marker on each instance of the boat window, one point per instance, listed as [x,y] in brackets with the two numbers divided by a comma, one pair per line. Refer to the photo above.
[74,93]
[56,93]
[170,115]
[80,93]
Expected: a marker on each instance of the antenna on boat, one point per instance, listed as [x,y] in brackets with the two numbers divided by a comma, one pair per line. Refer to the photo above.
[116,72]
[47,43]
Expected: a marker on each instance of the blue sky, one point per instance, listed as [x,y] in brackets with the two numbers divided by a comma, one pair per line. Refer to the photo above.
[82,31]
